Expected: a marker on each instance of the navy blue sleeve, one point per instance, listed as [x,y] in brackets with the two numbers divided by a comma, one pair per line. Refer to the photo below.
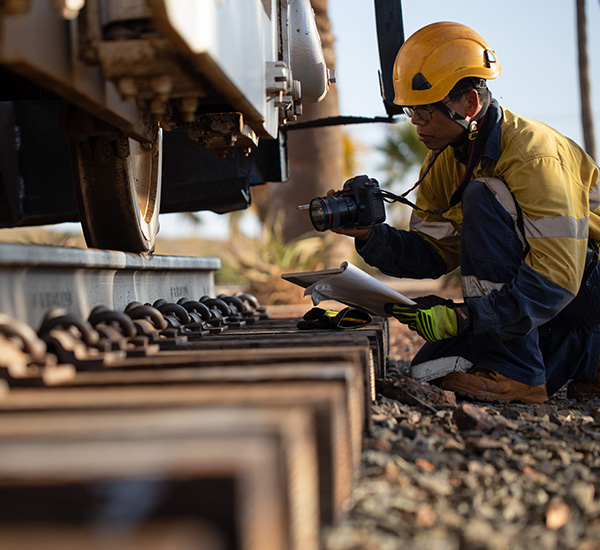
[401,253]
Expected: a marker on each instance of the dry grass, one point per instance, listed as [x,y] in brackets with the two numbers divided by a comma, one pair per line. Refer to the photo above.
[261,262]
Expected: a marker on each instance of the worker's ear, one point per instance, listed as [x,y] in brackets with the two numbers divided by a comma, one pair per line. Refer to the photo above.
[472,103]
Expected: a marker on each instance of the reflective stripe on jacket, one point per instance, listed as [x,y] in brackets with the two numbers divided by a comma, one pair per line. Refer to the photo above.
[556,186]
[553,181]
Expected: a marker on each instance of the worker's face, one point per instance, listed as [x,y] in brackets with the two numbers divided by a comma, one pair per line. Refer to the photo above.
[434,128]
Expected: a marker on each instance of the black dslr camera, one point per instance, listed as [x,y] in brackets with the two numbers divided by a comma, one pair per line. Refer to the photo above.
[360,202]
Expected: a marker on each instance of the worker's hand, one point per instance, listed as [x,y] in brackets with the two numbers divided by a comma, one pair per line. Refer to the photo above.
[432,317]
[360,233]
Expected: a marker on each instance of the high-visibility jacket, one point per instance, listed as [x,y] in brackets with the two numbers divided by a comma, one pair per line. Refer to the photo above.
[556,185]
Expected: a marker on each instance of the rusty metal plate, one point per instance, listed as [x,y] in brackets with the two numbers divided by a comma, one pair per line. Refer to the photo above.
[269,454]
[326,401]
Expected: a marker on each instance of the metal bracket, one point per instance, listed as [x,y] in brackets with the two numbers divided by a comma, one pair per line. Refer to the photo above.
[222,130]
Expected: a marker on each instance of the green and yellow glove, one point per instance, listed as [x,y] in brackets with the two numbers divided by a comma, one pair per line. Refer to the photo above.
[432,317]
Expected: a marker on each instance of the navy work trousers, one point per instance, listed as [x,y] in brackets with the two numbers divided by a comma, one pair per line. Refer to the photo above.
[567,347]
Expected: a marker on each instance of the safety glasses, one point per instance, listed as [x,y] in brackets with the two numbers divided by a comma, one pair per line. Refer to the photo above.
[425,112]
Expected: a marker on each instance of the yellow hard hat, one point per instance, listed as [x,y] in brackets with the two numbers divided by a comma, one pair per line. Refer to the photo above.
[435,58]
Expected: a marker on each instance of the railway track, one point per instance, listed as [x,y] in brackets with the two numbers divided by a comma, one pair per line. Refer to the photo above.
[139,410]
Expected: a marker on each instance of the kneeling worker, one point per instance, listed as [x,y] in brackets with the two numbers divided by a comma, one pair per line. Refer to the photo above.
[517,206]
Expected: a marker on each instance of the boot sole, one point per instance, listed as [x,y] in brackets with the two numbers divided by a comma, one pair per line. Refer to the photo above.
[495,398]
[582,390]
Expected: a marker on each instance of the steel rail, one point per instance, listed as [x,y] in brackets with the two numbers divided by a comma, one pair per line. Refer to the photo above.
[35,278]
[144,380]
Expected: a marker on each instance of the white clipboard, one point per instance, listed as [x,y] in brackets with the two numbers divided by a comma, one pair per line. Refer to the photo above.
[351,286]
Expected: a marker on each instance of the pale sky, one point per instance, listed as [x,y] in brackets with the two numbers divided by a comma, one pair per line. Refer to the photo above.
[535,41]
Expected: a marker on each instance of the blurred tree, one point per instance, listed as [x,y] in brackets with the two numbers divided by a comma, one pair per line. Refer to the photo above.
[193,218]
[584,81]
[402,151]
[352,149]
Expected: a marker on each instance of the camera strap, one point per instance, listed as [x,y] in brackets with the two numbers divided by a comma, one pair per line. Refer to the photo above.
[389,197]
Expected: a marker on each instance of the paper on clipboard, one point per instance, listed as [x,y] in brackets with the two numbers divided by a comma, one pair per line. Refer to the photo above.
[351,286]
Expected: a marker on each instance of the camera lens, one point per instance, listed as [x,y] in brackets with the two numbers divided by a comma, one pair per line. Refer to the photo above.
[332,211]
[318,217]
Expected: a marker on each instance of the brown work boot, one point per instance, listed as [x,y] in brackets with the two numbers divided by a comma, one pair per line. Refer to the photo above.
[583,390]
[487,385]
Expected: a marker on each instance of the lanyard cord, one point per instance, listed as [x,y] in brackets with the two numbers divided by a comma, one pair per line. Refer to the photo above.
[479,143]
[390,197]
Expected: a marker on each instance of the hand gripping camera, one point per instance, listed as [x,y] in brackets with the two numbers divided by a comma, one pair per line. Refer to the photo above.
[360,202]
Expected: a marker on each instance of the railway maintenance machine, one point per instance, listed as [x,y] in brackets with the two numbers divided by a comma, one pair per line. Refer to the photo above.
[197,421]
[113,111]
